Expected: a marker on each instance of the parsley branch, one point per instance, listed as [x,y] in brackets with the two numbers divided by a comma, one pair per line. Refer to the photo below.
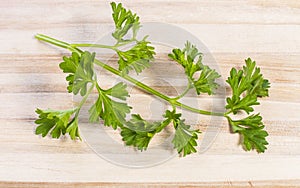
[247,86]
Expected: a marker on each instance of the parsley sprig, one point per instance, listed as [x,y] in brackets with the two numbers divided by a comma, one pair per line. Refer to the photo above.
[247,85]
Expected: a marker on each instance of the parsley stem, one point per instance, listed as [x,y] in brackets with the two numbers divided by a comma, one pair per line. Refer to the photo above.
[132,80]
[56,42]
[95,46]
[187,89]
[84,99]
[204,112]
[172,101]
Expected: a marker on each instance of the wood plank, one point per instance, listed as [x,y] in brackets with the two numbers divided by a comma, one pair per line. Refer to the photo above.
[17,107]
[232,30]
[91,168]
[258,184]
[232,39]
[19,137]
[33,12]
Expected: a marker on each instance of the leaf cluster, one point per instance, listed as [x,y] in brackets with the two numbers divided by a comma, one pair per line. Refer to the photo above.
[247,86]
[202,77]
[57,123]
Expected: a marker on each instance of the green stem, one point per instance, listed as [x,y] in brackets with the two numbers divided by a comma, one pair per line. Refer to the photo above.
[84,99]
[95,46]
[115,47]
[132,80]
[139,84]
[184,92]
[204,112]
[56,42]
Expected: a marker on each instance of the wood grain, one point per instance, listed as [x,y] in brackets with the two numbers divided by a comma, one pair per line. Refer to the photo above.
[232,30]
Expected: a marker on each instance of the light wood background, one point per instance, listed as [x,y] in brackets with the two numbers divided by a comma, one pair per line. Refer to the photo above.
[267,31]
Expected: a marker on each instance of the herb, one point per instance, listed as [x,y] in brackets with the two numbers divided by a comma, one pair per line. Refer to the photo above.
[247,86]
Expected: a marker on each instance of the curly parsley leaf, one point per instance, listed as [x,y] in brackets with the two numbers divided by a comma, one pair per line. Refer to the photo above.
[111,111]
[57,123]
[202,77]
[81,71]
[137,58]
[124,21]
[248,81]
[251,130]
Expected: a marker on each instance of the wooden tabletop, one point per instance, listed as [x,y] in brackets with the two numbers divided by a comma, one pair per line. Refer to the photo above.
[267,31]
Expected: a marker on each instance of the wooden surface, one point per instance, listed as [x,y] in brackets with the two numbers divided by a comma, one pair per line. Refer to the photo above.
[267,31]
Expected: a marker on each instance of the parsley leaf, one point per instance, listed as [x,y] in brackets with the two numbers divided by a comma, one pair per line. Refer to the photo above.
[202,77]
[185,138]
[251,129]
[111,111]
[137,58]
[138,132]
[124,21]
[248,81]
[81,71]
[57,123]
[247,85]
[69,65]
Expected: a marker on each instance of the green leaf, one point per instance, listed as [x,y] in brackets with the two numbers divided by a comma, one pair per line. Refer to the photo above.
[111,111]
[202,77]
[247,85]
[73,130]
[251,130]
[84,73]
[118,91]
[137,58]
[138,132]
[249,82]
[57,123]
[255,139]
[185,139]
[81,71]
[70,65]
[172,115]
[236,104]
[258,85]
[124,21]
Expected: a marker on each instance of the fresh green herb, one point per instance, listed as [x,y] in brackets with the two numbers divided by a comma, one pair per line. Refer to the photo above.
[247,86]
[191,60]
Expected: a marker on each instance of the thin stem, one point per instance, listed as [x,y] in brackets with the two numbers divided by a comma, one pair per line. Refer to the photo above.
[146,88]
[132,80]
[204,112]
[123,43]
[95,46]
[84,99]
[154,92]
[114,47]
[56,42]
[187,89]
